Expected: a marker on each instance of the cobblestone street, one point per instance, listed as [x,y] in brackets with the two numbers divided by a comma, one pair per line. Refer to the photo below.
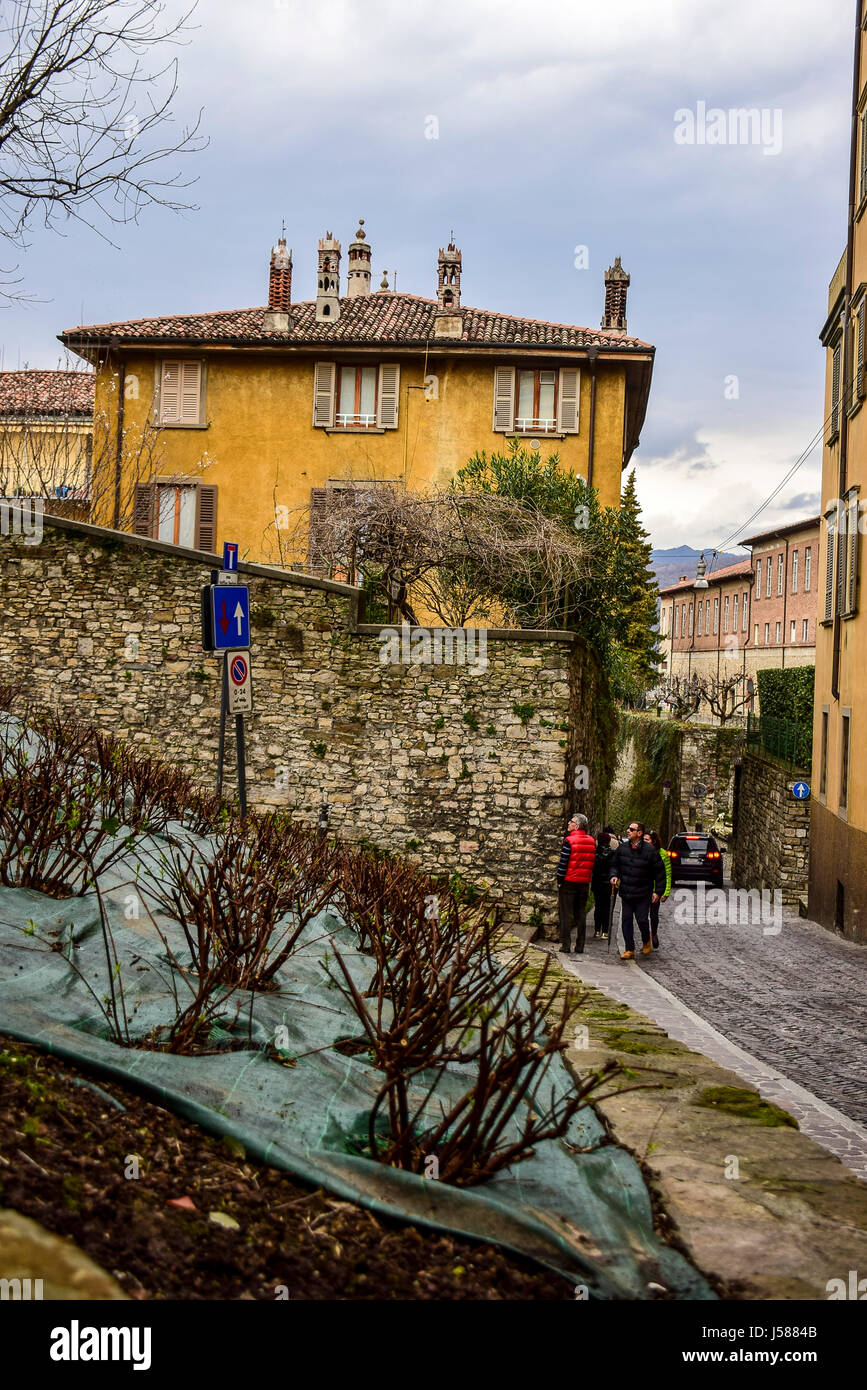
[786,1011]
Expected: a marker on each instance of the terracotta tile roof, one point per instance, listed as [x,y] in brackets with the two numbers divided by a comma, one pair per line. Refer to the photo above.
[401,319]
[808,523]
[33,394]
[742,568]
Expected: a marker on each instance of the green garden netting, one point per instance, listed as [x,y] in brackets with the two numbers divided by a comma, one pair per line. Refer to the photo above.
[586,1214]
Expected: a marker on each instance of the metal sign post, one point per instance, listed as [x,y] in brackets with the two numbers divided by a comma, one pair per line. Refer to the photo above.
[242,766]
[226,629]
[221,751]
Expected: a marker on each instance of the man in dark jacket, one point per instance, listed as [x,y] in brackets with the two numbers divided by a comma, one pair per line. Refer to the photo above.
[574,873]
[640,873]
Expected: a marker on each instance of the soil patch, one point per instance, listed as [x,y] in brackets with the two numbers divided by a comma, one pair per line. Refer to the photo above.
[68,1140]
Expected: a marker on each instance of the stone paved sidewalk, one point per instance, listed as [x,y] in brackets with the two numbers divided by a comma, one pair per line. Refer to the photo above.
[637,987]
[761,1208]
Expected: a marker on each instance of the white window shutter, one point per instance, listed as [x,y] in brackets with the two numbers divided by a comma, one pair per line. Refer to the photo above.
[323,395]
[504,399]
[190,393]
[829,565]
[170,393]
[570,379]
[389,386]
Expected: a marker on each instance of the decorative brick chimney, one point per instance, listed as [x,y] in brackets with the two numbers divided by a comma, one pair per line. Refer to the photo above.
[358,281]
[449,279]
[277,315]
[328,280]
[448,322]
[616,285]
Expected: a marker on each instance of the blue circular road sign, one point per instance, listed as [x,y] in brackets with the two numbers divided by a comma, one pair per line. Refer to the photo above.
[801,791]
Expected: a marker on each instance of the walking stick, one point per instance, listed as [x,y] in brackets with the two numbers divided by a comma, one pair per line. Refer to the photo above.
[611,918]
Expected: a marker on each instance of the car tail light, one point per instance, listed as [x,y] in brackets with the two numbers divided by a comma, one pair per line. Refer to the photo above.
[673,854]
[713,854]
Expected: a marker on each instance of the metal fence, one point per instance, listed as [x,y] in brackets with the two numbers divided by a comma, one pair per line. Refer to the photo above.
[782,738]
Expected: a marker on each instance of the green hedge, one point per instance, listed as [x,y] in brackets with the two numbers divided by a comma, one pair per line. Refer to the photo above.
[788,694]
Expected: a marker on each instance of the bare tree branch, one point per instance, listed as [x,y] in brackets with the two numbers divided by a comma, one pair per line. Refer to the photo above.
[84,99]
[452,553]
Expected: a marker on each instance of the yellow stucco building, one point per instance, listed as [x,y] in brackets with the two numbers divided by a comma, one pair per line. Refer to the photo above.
[46,433]
[227,425]
[838,828]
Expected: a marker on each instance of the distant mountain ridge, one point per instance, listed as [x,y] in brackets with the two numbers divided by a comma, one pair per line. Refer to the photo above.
[670,565]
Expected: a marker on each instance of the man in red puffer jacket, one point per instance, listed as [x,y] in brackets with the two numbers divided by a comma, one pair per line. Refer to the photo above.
[574,873]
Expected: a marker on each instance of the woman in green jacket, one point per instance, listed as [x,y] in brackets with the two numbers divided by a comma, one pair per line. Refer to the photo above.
[664,855]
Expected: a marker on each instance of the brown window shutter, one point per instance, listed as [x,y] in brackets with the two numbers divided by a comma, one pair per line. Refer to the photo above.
[206,518]
[143,509]
[829,565]
[389,388]
[319,535]
[323,395]
[852,558]
[568,404]
[504,399]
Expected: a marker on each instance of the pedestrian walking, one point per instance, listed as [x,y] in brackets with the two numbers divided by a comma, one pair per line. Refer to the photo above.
[638,871]
[601,882]
[574,873]
[653,838]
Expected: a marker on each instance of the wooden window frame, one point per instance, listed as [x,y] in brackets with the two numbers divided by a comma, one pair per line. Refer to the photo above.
[535,428]
[794,571]
[357,424]
[145,518]
[845,761]
[759,577]
[808,568]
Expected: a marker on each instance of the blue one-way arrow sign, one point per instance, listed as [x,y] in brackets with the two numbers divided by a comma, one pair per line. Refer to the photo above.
[801,791]
[230,615]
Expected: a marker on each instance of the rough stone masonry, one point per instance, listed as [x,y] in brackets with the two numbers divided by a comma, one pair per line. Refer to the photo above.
[466,769]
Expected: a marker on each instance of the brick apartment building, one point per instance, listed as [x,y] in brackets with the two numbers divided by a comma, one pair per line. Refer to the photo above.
[753,615]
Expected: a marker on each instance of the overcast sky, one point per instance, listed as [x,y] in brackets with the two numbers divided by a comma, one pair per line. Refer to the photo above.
[556,130]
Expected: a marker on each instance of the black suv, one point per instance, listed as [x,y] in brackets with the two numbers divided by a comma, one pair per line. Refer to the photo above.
[696,857]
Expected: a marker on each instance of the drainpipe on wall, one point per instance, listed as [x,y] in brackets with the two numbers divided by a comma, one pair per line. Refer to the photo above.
[592,354]
[847,342]
[118,447]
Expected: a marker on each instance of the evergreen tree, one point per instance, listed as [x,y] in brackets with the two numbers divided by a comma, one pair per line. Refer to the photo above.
[640,591]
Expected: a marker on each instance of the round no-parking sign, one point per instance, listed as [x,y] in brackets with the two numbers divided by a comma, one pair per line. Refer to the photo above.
[240,683]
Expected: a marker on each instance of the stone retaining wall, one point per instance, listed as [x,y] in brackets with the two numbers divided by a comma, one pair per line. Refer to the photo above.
[771,847]
[467,769]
